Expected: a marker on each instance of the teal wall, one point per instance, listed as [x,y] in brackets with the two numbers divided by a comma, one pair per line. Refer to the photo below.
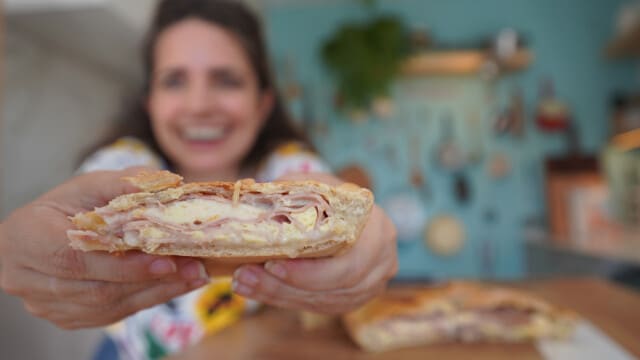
[567,38]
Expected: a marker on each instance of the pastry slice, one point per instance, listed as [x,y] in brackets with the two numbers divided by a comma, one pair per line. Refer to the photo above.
[243,221]
[456,312]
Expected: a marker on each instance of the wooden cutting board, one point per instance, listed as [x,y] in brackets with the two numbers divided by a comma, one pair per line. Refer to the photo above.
[277,334]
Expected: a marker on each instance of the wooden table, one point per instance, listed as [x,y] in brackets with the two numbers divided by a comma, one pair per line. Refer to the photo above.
[276,334]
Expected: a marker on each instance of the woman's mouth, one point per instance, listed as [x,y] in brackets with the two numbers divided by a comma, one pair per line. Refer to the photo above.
[208,135]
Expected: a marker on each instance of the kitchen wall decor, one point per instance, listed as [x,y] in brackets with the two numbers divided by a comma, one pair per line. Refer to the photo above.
[444,235]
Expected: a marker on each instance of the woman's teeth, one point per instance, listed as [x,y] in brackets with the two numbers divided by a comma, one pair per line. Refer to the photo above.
[204,133]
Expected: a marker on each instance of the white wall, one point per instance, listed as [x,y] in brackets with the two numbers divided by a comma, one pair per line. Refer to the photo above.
[23,336]
[54,106]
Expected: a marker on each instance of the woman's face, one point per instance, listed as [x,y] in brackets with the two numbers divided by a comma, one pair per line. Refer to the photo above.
[205,103]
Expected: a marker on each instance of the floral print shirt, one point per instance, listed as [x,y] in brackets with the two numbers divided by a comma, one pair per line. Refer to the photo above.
[168,328]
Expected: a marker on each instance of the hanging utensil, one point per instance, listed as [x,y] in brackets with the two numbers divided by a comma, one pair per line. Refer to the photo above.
[462,189]
[517,106]
[487,251]
[476,154]
[449,155]
[552,115]
[511,119]
[417,180]
[499,165]
[407,213]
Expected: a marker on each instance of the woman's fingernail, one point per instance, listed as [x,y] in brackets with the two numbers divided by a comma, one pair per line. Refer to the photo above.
[194,270]
[240,289]
[246,277]
[198,283]
[162,267]
[276,269]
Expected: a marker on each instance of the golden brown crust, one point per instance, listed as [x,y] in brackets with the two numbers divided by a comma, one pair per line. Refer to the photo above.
[226,265]
[89,221]
[451,300]
[350,203]
[501,297]
[170,193]
[399,303]
[465,294]
[226,255]
[151,181]
[166,193]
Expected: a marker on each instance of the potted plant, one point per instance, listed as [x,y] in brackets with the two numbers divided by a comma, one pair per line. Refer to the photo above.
[364,58]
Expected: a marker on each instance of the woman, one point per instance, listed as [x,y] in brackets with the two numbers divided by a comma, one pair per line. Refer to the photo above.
[209,111]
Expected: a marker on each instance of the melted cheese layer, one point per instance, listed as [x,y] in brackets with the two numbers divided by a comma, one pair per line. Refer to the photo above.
[203,210]
[307,218]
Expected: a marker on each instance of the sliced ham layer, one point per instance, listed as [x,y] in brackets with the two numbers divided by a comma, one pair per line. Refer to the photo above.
[465,326]
[254,218]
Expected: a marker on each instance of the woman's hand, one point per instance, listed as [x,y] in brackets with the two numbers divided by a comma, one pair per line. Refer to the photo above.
[74,289]
[327,285]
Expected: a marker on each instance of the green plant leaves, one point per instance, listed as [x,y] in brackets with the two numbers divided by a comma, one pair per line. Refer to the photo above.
[365,58]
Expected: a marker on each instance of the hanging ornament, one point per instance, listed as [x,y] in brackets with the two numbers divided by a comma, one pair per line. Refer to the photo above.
[383,107]
[444,235]
[499,166]
[408,214]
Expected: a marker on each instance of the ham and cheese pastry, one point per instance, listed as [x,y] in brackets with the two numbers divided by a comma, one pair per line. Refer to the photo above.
[458,311]
[243,221]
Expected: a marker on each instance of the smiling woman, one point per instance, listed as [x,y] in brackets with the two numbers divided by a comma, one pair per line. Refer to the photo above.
[205,102]
[208,105]
[209,111]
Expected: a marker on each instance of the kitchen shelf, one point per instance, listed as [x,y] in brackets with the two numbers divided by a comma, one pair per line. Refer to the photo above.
[625,45]
[460,62]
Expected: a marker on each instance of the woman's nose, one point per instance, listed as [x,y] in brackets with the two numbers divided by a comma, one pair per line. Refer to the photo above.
[198,100]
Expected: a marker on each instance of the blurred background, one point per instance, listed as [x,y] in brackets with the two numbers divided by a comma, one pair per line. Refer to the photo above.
[501,136]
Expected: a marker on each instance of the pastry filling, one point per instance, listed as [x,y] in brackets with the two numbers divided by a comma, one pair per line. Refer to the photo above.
[250,219]
[471,325]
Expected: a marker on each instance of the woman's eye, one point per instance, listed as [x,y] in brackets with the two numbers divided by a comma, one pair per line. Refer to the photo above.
[227,80]
[172,81]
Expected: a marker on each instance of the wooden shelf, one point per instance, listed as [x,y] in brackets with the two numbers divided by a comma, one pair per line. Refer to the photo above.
[628,140]
[625,45]
[460,62]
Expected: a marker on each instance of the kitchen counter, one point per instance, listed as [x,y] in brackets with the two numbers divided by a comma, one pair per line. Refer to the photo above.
[276,334]
[625,248]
